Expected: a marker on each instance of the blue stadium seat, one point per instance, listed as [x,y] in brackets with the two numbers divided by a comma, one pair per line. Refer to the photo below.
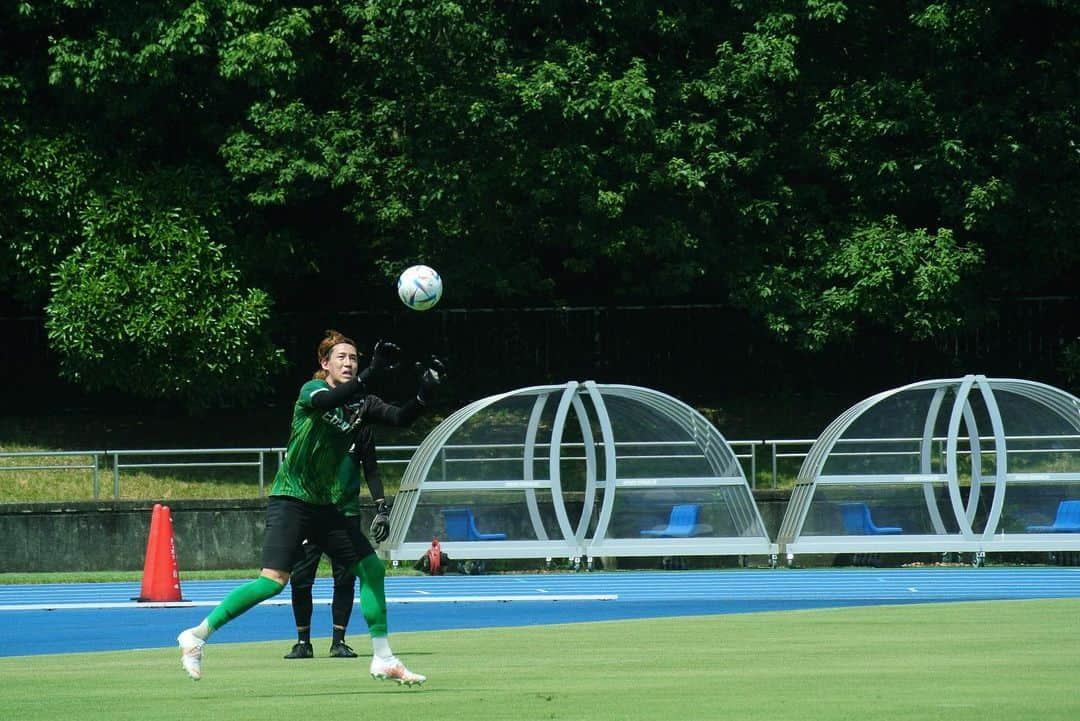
[682,523]
[461,526]
[1066,521]
[857,521]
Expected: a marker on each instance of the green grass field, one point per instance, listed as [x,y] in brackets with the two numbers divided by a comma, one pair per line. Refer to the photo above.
[1007,660]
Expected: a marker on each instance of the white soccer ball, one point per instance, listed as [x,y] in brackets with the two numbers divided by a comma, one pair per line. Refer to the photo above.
[419,287]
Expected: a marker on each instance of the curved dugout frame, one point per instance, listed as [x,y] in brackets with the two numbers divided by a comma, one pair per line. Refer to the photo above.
[618,473]
[966,476]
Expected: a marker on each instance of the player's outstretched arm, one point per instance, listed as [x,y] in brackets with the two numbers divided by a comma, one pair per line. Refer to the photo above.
[431,375]
[383,360]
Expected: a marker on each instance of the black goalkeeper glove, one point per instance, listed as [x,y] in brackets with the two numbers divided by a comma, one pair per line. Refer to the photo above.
[431,377]
[380,526]
[384,359]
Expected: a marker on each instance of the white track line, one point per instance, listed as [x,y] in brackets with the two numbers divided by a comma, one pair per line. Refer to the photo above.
[317,602]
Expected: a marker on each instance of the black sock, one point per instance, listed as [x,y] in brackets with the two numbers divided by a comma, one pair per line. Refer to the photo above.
[303,635]
[339,635]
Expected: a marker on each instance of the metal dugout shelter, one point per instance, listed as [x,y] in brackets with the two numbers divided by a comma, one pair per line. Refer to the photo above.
[971,464]
[578,470]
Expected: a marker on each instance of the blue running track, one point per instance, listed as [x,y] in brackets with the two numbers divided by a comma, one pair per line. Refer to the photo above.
[68,618]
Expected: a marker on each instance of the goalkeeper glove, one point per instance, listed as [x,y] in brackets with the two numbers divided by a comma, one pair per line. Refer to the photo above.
[383,360]
[384,357]
[380,526]
[431,377]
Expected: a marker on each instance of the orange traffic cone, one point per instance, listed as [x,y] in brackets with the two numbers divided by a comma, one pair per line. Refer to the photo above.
[161,576]
[151,548]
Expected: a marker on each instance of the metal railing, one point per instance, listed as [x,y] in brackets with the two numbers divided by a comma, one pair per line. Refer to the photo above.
[259,461]
[93,466]
[263,461]
[776,453]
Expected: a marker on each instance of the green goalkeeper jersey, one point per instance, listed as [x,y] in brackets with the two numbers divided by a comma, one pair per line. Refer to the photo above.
[346,492]
[317,450]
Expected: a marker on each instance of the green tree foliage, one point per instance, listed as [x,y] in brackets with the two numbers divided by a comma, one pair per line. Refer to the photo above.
[148,303]
[828,166]
[118,219]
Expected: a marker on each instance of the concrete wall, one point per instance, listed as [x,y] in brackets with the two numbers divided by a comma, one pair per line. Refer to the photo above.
[98,536]
[112,535]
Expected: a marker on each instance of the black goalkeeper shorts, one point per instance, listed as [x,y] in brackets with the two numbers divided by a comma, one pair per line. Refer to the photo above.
[306,568]
[290,521]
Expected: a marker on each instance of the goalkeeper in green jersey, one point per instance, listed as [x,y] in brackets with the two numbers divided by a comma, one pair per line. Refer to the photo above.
[362,454]
[303,501]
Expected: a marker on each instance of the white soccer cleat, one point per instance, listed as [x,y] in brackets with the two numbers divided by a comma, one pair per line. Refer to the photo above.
[392,669]
[191,647]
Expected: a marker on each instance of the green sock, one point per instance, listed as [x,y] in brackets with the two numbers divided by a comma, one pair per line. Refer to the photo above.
[371,572]
[241,599]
